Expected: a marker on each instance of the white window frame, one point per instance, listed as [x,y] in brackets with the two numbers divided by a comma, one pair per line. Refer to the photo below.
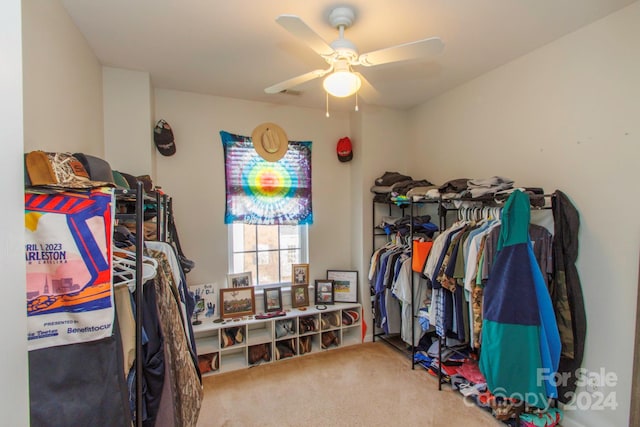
[303,235]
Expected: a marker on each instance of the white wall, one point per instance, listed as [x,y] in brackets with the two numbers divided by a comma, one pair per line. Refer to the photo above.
[563,117]
[62,83]
[380,143]
[128,121]
[14,404]
[194,177]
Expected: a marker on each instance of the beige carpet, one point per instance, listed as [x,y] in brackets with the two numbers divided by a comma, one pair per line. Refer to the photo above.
[362,385]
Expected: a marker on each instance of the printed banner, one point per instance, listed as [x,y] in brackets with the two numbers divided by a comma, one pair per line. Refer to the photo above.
[68,240]
[262,192]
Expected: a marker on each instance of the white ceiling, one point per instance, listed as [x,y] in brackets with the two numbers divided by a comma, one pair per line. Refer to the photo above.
[234,48]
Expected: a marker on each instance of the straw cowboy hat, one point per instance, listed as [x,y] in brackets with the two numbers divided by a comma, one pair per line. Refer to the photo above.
[270,141]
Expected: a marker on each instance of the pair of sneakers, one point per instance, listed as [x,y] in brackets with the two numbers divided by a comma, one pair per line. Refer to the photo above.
[468,389]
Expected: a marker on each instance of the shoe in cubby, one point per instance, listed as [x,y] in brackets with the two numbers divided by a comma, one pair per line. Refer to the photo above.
[331,320]
[350,317]
[259,353]
[308,324]
[208,362]
[329,339]
[285,327]
[285,348]
[232,336]
[305,344]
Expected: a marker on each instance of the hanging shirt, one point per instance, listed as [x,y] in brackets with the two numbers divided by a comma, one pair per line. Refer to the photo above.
[411,331]
[520,335]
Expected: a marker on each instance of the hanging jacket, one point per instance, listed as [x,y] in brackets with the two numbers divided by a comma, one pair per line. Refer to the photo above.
[520,341]
[566,291]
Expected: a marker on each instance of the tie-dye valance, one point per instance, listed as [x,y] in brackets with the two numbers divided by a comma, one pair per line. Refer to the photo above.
[262,192]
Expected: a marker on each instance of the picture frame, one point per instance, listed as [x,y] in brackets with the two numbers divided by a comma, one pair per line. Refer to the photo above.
[300,274]
[345,285]
[324,292]
[239,280]
[299,295]
[237,302]
[272,299]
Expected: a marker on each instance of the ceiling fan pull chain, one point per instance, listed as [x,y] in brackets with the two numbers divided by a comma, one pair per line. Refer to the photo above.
[327,95]
[357,102]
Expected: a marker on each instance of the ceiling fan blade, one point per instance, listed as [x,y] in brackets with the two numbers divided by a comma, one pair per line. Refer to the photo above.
[299,29]
[367,91]
[418,49]
[295,81]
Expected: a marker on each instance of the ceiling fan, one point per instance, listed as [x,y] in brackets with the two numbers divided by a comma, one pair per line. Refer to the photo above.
[342,55]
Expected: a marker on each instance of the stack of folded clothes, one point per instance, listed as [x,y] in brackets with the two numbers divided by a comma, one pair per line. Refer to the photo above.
[394,187]
[421,225]
[385,184]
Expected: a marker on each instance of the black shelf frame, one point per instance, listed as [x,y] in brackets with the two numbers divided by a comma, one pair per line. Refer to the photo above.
[410,205]
[139,198]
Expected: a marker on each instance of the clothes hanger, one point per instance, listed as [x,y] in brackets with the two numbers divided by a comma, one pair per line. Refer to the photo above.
[126,255]
[124,267]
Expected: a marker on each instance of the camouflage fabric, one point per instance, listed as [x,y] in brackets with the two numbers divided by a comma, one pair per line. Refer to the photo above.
[563,313]
[477,293]
[476,307]
[447,282]
[185,382]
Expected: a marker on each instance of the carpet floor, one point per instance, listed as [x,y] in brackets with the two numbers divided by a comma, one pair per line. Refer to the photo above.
[362,385]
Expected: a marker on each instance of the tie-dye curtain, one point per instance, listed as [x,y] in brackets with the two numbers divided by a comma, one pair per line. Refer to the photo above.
[266,193]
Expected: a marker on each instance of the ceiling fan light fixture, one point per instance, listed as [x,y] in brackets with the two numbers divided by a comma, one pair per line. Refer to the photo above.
[341,55]
[342,83]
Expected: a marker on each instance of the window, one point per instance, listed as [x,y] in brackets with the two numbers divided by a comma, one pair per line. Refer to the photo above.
[267,251]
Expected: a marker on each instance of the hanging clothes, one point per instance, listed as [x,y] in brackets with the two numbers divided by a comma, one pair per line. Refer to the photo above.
[520,338]
[566,291]
[441,301]
[386,306]
[411,329]
[184,375]
[76,375]
[187,302]
[153,364]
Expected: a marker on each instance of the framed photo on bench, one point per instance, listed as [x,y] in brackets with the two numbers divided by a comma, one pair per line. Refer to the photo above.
[239,280]
[272,299]
[300,274]
[299,295]
[324,292]
[345,285]
[237,302]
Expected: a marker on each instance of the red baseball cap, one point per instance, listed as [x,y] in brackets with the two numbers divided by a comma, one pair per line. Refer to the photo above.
[344,149]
